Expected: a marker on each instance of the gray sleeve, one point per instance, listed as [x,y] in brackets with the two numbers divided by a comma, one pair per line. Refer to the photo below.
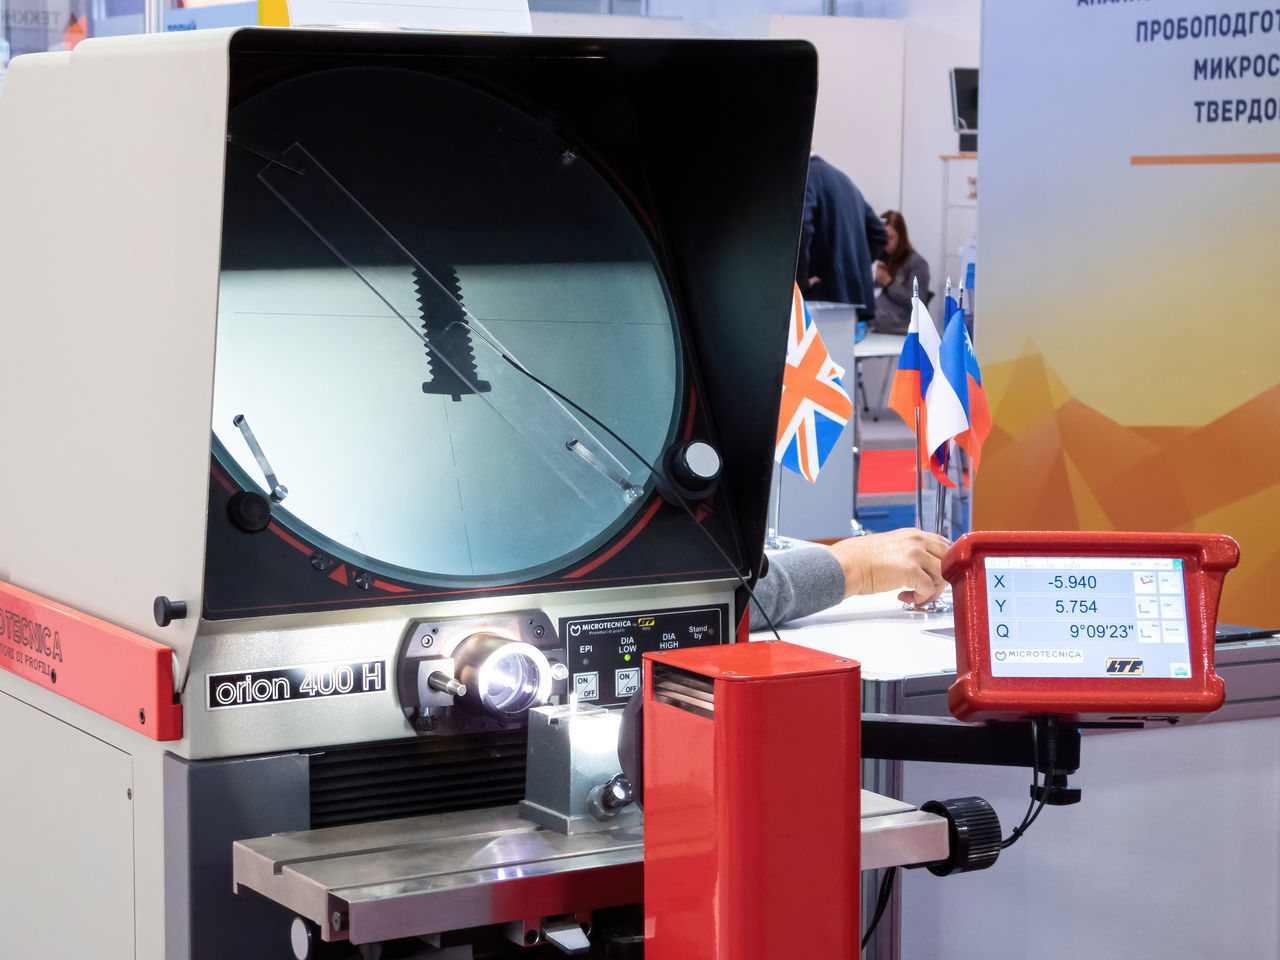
[900,289]
[799,582]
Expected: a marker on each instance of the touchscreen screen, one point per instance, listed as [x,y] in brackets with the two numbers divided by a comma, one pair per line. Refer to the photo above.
[1087,617]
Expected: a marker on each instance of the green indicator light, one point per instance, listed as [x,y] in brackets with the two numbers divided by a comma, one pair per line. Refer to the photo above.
[626,657]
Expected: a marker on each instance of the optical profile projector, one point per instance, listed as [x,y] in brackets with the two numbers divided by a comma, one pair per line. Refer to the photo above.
[378,390]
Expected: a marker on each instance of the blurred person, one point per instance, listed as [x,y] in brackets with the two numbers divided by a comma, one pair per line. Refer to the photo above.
[894,274]
[804,580]
[840,238]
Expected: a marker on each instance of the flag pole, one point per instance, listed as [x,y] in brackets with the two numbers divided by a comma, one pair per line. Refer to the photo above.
[915,295]
[772,541]
[919,475]
[964,481]
[940,504]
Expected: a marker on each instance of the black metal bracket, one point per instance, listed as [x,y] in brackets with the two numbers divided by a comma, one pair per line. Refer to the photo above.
[944,740]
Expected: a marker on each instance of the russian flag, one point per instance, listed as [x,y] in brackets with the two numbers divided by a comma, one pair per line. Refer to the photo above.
[917,366]
[948,413]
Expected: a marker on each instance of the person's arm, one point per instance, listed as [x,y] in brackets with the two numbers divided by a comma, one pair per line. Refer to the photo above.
[907,557]
[898,291]
[803,581]
[799,582]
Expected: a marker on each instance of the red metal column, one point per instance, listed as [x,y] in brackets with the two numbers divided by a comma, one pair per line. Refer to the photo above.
[751,794]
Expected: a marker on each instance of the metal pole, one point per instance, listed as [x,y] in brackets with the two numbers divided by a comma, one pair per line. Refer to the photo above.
[940,505]
[153,15]
[855,528]
[919,475]
[771,541]
[915,297]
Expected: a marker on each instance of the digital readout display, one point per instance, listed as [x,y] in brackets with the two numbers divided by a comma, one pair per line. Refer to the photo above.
[1087,617]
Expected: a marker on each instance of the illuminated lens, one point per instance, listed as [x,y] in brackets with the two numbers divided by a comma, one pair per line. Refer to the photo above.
[511,680]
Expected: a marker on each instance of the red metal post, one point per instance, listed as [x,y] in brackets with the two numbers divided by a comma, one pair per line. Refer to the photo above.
[752,812]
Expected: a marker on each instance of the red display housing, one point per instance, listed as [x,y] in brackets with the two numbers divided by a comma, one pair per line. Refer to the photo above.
[752,803]
[977,695]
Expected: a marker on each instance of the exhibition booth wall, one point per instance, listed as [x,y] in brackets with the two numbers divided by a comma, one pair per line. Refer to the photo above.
[1128,290]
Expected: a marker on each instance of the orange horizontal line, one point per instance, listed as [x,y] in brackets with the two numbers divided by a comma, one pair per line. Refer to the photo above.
[1204,158]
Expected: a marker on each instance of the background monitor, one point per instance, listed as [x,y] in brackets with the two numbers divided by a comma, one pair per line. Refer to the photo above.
[964,106]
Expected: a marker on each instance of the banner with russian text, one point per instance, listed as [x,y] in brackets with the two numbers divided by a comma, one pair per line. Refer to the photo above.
[1128,295]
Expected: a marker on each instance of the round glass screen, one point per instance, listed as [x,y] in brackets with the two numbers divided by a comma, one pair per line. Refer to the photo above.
[417,278]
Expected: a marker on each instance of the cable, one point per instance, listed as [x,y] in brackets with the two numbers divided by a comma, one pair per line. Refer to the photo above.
[654,470]
[882,901]
[1033,809]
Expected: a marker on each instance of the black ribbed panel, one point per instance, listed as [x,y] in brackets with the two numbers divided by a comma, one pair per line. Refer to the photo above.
[409,778]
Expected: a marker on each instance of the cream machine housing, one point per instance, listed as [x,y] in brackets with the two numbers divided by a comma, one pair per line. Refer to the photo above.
[364,392]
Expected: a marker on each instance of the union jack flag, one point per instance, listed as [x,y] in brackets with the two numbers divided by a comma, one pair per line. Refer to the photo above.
[815,405]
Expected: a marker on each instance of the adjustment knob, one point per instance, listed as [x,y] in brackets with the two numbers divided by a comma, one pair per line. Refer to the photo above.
[973,835]
[696,465]
[606,799]
[617,793]
[166,611]
[249,510]
[444,683]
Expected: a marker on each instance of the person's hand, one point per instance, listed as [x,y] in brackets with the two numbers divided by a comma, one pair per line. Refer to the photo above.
[882,275]
[907,558]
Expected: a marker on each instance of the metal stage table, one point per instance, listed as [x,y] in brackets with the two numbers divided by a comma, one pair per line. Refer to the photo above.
[424,875]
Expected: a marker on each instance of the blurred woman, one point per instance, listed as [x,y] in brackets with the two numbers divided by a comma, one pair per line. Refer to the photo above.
[894,275]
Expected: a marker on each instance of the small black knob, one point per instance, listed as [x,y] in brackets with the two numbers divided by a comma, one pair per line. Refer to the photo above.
[617,793]
[696,465]
[166,611]
[250,511]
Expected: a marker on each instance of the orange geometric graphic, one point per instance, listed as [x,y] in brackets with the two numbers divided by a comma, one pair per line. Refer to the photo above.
[1055,463]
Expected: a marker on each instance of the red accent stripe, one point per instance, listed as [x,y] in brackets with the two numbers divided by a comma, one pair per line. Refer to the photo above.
[298,545]
[612,551]
[688,423]
[390,587]
[122,676]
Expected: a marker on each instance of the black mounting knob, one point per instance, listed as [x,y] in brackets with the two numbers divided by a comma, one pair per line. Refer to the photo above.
[696,464]
[249,510]
[166,611]
[973,835]
[690,472]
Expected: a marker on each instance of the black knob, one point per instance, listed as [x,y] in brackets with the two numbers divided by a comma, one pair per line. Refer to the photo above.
[617,793]
[166,611]
[250,511]
[973,834]
[696,465]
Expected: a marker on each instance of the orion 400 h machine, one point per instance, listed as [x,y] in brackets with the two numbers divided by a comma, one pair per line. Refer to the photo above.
[384,388]
[389,401]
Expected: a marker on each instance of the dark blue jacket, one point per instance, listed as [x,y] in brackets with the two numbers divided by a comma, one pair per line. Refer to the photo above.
[840,239]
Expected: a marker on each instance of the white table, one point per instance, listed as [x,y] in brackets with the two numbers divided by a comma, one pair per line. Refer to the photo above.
[876,345]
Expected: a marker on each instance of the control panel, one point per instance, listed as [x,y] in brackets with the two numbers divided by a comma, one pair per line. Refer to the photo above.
[604,652]
[1103,626]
